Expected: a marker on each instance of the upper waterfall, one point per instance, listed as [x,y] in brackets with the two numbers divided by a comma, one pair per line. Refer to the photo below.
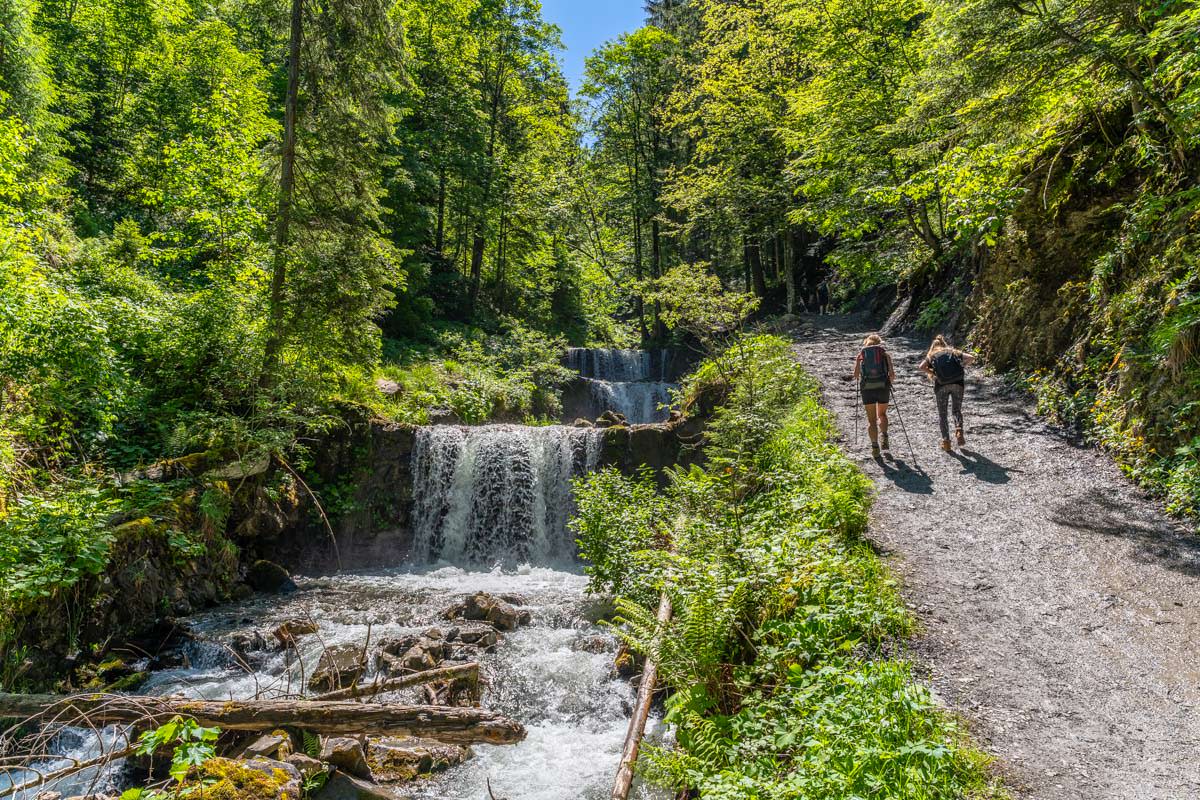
[633,383]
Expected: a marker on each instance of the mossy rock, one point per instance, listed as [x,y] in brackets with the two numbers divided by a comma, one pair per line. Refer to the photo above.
[226,779]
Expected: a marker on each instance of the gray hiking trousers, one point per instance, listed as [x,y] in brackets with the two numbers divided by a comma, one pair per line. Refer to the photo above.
[945,394]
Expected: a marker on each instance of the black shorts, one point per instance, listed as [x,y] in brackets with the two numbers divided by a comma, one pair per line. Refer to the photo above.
[871,397]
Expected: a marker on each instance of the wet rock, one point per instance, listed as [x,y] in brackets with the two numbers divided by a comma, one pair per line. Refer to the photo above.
[513,599]
[346,755]
[247,643]
[269,577]
[592,644]
[583,423]
[339,666]
[294,629]
[341,786]
[395,760]
[483,607]
[289,787]
[112,675]
[611,419]
[264,746]
[481,635]
[425,653]
[626,664]
[307,765]
[443,416]
[398,645]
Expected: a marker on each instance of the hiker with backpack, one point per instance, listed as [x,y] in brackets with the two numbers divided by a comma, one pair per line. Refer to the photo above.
[947,368]
[874,373]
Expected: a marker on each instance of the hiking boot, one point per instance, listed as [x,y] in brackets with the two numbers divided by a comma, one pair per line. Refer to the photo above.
[875,449]
[949,448]
[883,442]
[962,440]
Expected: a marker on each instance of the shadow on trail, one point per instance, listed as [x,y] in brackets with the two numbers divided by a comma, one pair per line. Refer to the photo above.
[984,468]
[1105,514]
[913,481]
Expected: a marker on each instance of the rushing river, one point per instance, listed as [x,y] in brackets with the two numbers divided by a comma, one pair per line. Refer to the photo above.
[492,495]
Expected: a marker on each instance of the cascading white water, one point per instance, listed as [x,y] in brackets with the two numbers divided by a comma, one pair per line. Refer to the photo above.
[497,493]
[638,402]
[626,381]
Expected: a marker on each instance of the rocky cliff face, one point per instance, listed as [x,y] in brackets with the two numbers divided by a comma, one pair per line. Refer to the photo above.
[1091,297]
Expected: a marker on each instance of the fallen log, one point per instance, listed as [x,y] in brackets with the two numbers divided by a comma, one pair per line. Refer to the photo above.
[470,670]
[446,724]
[641,713]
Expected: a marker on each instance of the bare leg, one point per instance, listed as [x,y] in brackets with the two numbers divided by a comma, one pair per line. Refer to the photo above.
[882,413]
[873,424]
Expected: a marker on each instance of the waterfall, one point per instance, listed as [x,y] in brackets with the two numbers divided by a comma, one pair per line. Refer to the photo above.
[625,381]
[498,492]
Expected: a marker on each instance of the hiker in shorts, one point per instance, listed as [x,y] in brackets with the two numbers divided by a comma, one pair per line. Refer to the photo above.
[823,297]
[947,368]
[874,373]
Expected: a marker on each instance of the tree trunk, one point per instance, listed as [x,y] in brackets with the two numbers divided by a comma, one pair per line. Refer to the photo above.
[470,670]
[439,243]
[756,270]
[641,712]
[660,332]
[789,273]
[747,280]
[446,724]
[477,247]
[287,197]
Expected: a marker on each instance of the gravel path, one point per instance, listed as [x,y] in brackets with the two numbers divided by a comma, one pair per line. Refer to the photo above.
[1060,607]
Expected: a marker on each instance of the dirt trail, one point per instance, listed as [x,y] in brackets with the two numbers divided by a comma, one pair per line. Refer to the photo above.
[1060,606]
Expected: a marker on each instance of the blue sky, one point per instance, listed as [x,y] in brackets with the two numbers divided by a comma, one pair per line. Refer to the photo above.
[587,24]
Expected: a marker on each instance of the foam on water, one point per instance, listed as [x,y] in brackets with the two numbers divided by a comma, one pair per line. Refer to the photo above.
[498,492]
[554,676]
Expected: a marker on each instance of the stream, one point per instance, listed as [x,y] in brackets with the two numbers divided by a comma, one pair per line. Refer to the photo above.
[491,513]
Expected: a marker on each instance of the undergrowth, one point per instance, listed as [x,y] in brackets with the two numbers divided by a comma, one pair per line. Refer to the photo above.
[776,661]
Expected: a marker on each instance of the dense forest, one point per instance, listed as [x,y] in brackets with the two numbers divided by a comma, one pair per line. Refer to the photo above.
[228,227]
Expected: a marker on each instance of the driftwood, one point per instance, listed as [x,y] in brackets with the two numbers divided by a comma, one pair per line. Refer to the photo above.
[641,712]
[470,670]
[446,724]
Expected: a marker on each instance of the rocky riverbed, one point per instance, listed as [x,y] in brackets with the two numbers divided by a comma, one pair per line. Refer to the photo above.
[545,662]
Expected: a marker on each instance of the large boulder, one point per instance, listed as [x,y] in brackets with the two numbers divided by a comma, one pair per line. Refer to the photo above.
[483,607]
[268,746]
[346,755]
[341,786]
[293,629]
[267,576]
[395,760]
[339,667]
[424,653]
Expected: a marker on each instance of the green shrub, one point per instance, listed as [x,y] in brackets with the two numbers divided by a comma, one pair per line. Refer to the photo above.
[775,654]
[49,543]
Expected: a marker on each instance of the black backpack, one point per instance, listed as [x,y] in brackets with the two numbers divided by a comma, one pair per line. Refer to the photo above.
[874,374]
[948,367]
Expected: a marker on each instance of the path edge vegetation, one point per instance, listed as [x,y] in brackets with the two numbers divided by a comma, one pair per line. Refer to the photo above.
[780,662]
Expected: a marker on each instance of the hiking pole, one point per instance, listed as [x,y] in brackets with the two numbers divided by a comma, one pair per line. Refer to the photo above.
[903,427]
[857,412]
